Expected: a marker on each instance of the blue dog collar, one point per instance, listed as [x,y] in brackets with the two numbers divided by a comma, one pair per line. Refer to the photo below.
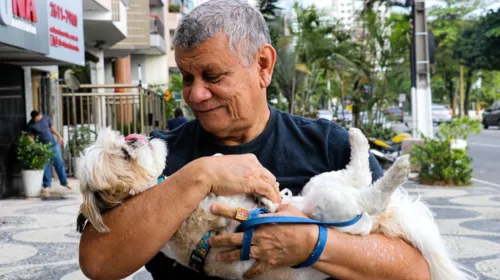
[161,178]
[253,220]
[200,252]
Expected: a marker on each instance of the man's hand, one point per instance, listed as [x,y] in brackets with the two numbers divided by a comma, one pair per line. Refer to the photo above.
[61,140]
[238,174]
[273,245]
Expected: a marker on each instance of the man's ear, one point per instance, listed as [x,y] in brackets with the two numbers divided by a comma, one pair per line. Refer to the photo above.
[266,58]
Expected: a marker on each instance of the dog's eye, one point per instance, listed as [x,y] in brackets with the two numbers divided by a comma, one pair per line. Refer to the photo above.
[126,155]
[132,141]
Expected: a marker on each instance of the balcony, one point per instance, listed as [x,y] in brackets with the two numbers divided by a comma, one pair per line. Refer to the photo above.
[158,45]
[96,5]
[173,20]
[172,65]
[156,3]
[103,26]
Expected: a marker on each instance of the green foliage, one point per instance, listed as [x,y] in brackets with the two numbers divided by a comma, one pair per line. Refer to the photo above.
[175,85]
[477,47]
[82,138]
[33,154]
[490,90]
[269,9]
[173,8]
[447,26]
[439,163]
[128,127]
[460,128]
[377,130]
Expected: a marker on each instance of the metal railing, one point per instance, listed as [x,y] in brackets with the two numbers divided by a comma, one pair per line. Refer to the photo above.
[125,108]
[156,26]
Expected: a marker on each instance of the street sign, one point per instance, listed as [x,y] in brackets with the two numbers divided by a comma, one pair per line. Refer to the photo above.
[402,97]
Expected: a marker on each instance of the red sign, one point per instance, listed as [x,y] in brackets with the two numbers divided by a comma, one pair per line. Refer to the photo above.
[57,35]
[64,15]
[25,9]
[57,42]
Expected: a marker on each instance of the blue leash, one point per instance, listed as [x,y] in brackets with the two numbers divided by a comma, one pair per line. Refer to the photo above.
[253,220]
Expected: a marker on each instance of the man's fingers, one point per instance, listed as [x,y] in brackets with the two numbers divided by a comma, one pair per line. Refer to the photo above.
[257,269]
[223,210]
[227,240]
[269,178]
[229,256]
[268,191]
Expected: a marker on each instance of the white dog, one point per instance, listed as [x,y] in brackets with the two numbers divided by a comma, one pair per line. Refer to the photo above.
[115,168]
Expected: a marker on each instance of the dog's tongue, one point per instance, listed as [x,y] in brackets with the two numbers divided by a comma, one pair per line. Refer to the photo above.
[136,137]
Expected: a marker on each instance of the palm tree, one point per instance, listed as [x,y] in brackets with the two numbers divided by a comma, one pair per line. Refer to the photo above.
[306,57]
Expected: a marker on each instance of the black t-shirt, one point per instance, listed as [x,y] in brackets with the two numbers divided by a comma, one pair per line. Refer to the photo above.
[292,148]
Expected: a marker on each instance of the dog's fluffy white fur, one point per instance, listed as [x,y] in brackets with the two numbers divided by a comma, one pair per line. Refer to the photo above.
[114,168]
[330,197]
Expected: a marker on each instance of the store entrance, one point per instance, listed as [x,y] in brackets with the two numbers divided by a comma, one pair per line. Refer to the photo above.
[12,122]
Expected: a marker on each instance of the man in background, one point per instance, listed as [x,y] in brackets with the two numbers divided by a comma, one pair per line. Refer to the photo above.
[177,121]
[41,127]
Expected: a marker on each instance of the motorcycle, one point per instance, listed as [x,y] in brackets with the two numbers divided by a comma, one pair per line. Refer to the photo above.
[387,152]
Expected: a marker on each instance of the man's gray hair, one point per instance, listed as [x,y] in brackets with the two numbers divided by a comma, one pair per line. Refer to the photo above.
[243,24]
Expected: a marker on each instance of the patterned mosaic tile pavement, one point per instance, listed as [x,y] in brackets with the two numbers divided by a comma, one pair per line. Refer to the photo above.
[38,238]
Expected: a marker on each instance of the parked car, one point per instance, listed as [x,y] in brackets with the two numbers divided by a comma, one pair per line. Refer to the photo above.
[378,117]
[441,113]
[395,114]
[325,114]
[491,116]
[342,116]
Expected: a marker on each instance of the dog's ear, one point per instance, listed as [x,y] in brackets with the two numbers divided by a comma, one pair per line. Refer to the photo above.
[107,138]
[80,222]
[91,211]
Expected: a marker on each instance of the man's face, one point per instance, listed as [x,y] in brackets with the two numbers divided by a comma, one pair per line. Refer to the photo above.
[224,95]
[38,117]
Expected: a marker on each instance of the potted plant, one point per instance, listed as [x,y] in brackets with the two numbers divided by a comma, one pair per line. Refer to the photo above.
[34,156]
[83,137]
[173,8]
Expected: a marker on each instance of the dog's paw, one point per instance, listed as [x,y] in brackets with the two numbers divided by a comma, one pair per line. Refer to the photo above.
[400,169]
[133,192]
[265,203]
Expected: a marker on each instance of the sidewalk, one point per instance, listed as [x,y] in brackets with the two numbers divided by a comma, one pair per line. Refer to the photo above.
[38,239]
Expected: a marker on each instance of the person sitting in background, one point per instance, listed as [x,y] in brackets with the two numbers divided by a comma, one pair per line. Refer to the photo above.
[177,121]
[41,127]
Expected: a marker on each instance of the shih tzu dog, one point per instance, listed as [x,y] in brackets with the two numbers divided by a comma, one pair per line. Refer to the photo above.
[115,168]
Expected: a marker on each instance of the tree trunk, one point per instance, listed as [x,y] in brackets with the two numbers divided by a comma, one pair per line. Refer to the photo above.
[292,97]
[451,92]
[468,86]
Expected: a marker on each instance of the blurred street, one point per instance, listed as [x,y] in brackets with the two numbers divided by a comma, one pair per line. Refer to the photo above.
[484,149]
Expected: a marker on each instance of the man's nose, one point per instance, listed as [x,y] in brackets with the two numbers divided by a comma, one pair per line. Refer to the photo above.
[199,92]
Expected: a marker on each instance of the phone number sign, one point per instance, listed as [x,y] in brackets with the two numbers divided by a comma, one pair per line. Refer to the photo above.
[66,41]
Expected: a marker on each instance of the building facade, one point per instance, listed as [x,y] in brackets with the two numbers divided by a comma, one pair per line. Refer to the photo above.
[35,37]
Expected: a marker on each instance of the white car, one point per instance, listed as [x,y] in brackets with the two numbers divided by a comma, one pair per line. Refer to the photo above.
[325,114]
[378,117]
[441,113]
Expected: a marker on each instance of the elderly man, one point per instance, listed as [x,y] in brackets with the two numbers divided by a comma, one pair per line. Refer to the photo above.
[224,54]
